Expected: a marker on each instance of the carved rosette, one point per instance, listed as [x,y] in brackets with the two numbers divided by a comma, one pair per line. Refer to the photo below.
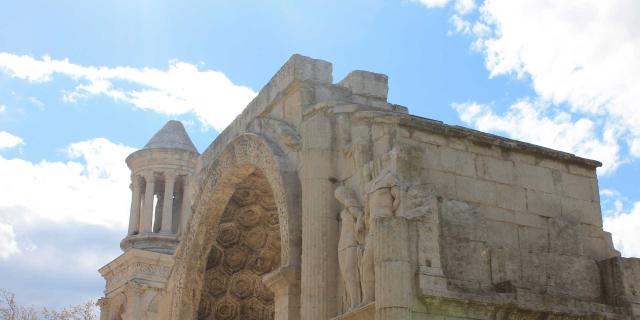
[247,246]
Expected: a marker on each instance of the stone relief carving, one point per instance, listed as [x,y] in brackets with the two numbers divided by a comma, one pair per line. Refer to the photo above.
[349,244]
[279,129]
[119,275]
[247,247]
[218,172]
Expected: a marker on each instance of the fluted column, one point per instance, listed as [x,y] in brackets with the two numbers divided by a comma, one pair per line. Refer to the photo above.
[319,224]
[134,216]
[147,210]
[167,208]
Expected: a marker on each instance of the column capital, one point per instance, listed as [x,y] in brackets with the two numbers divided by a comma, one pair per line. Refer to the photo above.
[149,175]
[135,180]
[171,174]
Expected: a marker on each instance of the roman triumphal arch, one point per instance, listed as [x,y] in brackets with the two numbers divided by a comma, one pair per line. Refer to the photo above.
[322,200]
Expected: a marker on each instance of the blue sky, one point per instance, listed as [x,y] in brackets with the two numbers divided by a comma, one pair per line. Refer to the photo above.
[84,83]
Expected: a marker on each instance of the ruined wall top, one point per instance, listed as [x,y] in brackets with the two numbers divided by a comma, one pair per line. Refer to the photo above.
[368,90]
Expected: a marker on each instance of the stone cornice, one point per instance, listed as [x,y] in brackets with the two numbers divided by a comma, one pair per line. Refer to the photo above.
[149,267]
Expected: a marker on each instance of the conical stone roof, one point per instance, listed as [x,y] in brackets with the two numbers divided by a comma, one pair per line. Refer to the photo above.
[171,136]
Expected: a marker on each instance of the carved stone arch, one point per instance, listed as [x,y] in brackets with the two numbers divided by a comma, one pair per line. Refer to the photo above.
[217,182]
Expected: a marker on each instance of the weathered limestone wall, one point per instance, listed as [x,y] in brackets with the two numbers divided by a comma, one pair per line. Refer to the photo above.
[496,220]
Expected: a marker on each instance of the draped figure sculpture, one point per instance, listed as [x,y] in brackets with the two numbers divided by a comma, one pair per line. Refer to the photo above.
[349,244]
[383,202]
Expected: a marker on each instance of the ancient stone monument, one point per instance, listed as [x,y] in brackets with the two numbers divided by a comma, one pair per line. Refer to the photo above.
[324,201]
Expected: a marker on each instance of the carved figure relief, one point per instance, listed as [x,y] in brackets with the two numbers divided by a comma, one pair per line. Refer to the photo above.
[349,244]
[384,201]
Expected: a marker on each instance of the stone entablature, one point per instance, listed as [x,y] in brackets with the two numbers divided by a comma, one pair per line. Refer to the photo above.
[379,215]
[135,283]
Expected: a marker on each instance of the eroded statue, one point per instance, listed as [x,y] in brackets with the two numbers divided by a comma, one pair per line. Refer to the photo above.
[349,244]
[383,202]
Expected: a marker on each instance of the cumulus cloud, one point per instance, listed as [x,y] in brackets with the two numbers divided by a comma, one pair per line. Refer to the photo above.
[580,56]
[8,244]
[622,219]
[182,88]
[7,140]
[90,188]
[533,122]
[3,108]
[59,221]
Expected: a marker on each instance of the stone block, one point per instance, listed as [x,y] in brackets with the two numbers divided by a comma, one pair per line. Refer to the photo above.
[552,164]
[460,220]
[518,157]
[458,162]
[496,170]
[582,171]
[303,68]
[430,138]
[533,177]
[530,220]
[501,234]
[583,211]
[444,183]
[366,83]
[579,187]
[450,160]
[621,280]
[474,190]
[534,269]
[533,239]
[575,276]
[432,282]
[428,249]
[466,260]
[511,197]
[565,237]
[496,214]
[544,204]
[596,248]
[486,150]
[505,266]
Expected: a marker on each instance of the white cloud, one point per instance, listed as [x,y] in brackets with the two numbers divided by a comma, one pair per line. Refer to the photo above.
[8,245]
[36,102]
[61,220]
[464,6]
[461,7]
[580,56]
[7,140]
[434,3]
[623,224]
[3,108]
[535,123]
[180,89]
[93,190]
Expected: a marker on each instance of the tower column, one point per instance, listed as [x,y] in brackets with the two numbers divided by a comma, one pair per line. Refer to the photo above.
[134,216]
[185,209]
[167,208]
[147,210]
